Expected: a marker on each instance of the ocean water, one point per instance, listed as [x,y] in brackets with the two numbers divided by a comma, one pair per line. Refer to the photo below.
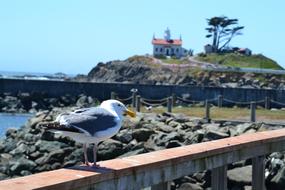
[34,75]
[12,121]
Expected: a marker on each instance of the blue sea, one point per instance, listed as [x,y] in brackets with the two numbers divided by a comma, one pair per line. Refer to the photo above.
[12,121]
[34,75]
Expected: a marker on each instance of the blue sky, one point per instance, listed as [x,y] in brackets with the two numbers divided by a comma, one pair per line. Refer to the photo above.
[73,36]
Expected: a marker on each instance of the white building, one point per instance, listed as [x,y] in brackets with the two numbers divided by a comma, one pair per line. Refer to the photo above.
[168,46]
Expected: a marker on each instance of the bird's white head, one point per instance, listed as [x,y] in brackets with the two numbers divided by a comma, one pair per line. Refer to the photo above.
[118,107]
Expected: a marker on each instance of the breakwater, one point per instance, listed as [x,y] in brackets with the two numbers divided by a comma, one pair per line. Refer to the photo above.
[103,90]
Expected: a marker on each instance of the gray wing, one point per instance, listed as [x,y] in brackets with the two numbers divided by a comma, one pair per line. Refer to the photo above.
[91,120]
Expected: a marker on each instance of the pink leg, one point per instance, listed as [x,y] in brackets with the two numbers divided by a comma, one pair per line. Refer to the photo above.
[95,155]
[85,155]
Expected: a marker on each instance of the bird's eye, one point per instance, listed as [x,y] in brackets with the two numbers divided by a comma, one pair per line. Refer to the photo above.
[119,105]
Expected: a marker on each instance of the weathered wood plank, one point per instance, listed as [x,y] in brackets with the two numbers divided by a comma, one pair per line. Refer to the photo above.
[258,175]
[219,178]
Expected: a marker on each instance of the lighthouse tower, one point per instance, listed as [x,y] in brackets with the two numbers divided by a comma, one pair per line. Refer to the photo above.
[167,46]
[167,35]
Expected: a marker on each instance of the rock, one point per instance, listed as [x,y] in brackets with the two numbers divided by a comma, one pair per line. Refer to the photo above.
[42,168]
[35,155]
[278,181]
[168,120]
[35,120]
[21,149]
[55,166]
[134,152]
[278,155]
[109,149]
[29,137]
[195,137]
[22,164]
[42,160]
[247,187]
[165,128]
[142,134]
[48,146]
[242,128]
[84,101]
[164,138]
[56,155]
[195,125]
[25,172]
[9,145]
[240,176]
[3,176]
[173,143]
[211,126]
[11,133]
[173,124]
[214,135]
[5,158]
[76,155]
[70,163]
[124,136]
[190,186]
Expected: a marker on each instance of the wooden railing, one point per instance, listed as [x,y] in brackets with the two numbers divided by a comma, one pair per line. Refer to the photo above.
[157,169]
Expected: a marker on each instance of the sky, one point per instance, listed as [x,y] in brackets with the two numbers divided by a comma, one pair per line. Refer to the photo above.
[72,36]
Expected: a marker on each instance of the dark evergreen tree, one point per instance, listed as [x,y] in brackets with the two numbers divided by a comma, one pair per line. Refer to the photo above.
[222,30]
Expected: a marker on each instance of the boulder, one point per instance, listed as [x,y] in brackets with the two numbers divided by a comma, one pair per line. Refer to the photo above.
[278,181]
[214,135]
[109,149]
[165,128]
[21,149]
[242,128]
[21,164]
[190,186]
[49,146]
[173,143]
[3,176]
[142,134]
[240,176]
[124,136]
[195,137]
[133,152]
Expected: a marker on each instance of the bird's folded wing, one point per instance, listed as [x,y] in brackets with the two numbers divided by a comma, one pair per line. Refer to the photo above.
[91,124]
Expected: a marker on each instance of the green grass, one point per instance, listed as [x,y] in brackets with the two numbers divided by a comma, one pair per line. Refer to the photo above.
[243,61]
[173,61]
[226,113]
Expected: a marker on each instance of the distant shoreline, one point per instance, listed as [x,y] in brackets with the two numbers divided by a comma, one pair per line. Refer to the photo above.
[35,75]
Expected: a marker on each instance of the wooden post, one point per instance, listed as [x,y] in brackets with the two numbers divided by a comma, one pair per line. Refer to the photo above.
[173,99]
[169,104]
[267,103]
[219,178]
[138,103]
[207,111]
[252,112]
[113,95]
[220,101]
[258,174]
[134,99]
[161,186]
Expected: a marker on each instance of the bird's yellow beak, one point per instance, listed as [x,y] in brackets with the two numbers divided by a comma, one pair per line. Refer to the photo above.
[130,113]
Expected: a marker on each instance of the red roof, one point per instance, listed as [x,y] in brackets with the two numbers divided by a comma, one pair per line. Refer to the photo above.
[165,42]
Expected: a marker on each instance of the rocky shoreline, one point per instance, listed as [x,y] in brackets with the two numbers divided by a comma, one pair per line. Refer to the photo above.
[145,70]
[31,149]
[35,102]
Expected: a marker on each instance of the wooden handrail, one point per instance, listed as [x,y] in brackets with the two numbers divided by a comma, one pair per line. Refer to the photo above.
[148,169]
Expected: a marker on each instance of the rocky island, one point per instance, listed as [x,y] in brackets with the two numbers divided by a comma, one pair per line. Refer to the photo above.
[185,71]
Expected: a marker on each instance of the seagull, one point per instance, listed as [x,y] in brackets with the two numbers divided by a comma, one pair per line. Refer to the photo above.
[92,125]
